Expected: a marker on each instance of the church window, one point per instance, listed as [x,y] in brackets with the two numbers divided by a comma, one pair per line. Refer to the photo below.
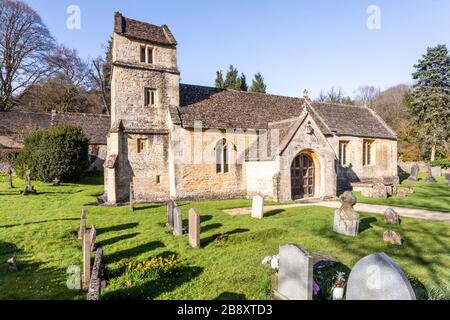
[150,55]
[368,152]
[141,145]
[149,97]
[143,54]
[343,153]
[222,157]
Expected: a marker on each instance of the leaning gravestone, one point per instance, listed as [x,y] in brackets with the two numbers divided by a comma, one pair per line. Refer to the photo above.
[258,207]
[346,219]
[377,277]
[414,176]
[379,191]
[170,210]
[194,229]
[92,237]
[10,179]
[177,223]
[295,277]
[391,216]
[429,177]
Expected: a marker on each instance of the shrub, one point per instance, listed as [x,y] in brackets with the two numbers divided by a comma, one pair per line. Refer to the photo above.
[443,163]
[60,152]
[152,268]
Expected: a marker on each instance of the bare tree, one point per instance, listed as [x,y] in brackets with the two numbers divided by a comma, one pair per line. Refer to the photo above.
[101,76]
[24,46]
[366,95]
[334,96]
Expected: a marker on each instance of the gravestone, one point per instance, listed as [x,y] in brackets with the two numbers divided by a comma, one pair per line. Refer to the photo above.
[87,249]
[177,223]
[391,216]
[29,189]
[436,172]
[392,237]
[346,219]
[379,191]
[447,177]
[12,264]
[82,224]
[170,212]
[258,207]
[132,195]
[414,176]
[377,277]
[295,276]
[429,177]
[403,192]
[56,182]
[95,284]
[10,179]
[92,237]
[194,229]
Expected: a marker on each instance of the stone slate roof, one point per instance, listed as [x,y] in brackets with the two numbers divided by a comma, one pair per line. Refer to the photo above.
[223,109]
[96,127]
[143,31]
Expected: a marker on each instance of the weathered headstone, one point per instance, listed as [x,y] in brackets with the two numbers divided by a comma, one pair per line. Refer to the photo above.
[414,176]
[95,285]
[170,212]
[87,249]
[132,195]
[379,191]
[29,189]
[194,229]
[429,177]
[12,264]
[436,172]
[10,179]
[391,216]
[295,276]
[92,237]
[258,207]
[392,237]
[177,222]
[377,277]
[447,177]
[56,182]
[346,219]
[82,224]
[403,192]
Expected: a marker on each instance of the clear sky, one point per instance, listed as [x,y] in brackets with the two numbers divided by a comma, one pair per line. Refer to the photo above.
[294,44]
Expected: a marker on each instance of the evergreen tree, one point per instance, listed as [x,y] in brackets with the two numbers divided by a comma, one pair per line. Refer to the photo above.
[232,79]
[430,103]
[219,80]
[258,84]
[243,86]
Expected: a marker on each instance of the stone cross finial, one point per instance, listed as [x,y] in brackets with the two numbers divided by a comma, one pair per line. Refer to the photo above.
[306,94]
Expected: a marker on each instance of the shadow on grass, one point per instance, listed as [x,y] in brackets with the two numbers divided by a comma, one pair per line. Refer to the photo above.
[154,288]
[133,252]
[120,227]
[148,206]
[230,296]
[273,213]
[221,236]
[366,223]
[211,227]
[38,222]
[116,239]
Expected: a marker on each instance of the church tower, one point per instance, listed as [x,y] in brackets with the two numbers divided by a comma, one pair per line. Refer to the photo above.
[144,88]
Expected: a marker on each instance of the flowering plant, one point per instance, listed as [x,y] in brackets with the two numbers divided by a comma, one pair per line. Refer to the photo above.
[316,288]
[339,281]
[153,267]
[274,262]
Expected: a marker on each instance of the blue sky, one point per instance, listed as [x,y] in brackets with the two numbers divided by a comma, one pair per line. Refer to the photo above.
[294,44]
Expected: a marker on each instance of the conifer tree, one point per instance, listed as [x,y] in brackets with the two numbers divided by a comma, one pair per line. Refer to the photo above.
[258,84]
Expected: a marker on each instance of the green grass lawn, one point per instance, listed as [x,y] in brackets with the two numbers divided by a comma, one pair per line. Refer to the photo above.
[40,231]
[428,196]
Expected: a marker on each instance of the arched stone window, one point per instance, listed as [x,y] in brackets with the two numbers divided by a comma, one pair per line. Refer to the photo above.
[222,157]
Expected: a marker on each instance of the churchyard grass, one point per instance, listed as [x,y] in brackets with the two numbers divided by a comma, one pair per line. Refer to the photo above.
[427,196]
[41,232]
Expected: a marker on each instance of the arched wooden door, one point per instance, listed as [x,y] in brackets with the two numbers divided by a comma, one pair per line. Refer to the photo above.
[302,177]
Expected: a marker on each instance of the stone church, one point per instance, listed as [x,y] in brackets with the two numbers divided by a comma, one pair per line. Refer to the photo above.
[185,142]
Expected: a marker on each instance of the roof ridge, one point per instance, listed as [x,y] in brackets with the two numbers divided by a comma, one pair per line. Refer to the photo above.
[62,113]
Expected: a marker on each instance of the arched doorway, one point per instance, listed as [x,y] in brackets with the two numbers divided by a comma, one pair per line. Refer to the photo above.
[303,177]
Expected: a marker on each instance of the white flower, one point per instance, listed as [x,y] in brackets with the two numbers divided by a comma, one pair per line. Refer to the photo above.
[266,260]
[274,263]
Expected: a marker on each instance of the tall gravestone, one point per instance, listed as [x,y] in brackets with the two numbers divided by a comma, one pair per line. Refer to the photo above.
[87,249]
[170,213]
[346,219]
[131,195]
[414,176]
[177,223]
[377,277]
[295,276]
[258,207]
[82,224]
[429,177]
[29,189]
[194,229]
[10,179]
